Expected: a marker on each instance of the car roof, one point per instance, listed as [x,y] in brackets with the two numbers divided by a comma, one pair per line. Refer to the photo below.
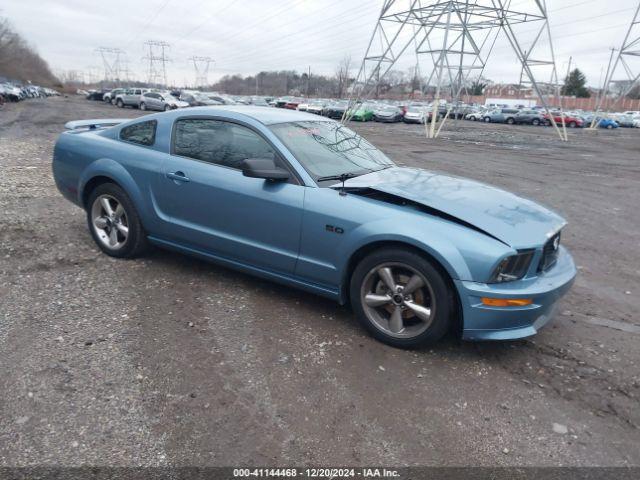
[264,115]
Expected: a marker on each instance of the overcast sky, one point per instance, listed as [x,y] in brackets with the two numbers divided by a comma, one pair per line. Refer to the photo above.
[246,36]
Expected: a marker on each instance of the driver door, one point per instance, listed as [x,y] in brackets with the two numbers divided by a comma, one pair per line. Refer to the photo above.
[210,205]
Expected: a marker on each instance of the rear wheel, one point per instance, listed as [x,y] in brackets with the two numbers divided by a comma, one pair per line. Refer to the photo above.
[511,121]
[535,122]
[401,298]
[114,222]
[143,106]
[609,127]
[572,124]
[487,119]
[167,107]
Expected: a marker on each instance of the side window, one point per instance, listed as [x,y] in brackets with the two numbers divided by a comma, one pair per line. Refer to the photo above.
[222,143]
[143,133]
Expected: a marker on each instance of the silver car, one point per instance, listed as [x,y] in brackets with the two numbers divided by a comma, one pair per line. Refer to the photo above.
[130,97]
[162,101]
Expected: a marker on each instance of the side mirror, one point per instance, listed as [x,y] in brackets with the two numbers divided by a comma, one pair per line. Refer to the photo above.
[264,168]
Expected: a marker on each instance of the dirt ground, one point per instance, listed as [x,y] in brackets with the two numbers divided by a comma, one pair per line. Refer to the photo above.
[101,366]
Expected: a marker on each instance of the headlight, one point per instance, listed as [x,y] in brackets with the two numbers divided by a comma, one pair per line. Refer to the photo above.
[512,268]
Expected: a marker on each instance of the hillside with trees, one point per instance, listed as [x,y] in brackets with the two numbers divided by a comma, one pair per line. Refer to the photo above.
[19,61]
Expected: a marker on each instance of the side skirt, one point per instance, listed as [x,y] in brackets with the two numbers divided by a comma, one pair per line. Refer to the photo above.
[322,290]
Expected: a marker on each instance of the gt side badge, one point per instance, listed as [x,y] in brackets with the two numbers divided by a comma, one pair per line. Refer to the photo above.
[331,228]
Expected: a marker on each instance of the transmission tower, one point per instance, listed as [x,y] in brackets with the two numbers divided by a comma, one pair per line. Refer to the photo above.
[201,66]
[157,58]
[628,56]
[455,38]
[111,58]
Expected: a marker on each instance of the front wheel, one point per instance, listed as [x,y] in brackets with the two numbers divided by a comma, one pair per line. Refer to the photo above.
[114,222]
[401,298]
[120,103]
[535,122]
[143,106]
[487,119]
[511,121]
[167,107]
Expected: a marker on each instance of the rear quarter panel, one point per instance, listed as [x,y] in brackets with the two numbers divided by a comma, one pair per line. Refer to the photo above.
[81,156]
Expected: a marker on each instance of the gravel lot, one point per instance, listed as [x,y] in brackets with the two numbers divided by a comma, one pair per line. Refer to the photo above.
[170,361]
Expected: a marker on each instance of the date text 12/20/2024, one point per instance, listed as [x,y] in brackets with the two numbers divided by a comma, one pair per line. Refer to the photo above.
[316,472]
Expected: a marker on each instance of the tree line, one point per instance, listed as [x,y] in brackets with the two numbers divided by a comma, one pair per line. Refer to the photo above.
[19,61]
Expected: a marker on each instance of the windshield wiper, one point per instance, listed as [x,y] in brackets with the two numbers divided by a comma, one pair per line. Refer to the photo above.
[342,177]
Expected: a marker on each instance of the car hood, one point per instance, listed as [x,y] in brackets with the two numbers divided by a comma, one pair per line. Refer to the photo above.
[516,221]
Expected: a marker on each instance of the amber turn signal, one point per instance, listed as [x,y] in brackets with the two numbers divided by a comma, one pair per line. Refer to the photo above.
[506,302]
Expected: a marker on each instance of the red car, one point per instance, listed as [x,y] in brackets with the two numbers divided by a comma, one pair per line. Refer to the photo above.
[292,104]
[570,121]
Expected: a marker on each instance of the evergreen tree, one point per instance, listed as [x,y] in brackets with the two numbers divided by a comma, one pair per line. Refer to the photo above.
[576,85]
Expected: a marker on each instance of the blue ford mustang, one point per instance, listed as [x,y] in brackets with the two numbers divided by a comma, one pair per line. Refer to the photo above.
[309,203]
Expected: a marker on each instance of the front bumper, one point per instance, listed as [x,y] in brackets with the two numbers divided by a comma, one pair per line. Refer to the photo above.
[482,322]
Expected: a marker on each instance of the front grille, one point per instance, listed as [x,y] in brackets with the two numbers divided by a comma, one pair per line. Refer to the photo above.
[550,253]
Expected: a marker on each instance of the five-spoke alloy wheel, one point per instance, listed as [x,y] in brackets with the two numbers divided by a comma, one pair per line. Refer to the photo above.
[114,222]
[110,222]
[401,297]
[398,300]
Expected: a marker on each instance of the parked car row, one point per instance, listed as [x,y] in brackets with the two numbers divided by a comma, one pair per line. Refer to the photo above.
[10,92]
[537,116]
[162,100]
[374,110]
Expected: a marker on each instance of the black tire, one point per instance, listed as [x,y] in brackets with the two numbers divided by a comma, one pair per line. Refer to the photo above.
[442,293]
[143,106]
[487,119]
[473,119]
[136,242]
[572,125]
[535,122]
[511,121]
[120,103]
[167,107]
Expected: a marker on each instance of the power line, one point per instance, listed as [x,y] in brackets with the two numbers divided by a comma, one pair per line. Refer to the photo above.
[276,52]
[318,29]
[149,22]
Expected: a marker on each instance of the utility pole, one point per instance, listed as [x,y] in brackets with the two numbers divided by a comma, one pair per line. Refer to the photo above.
[201,66]
[466,27]
[111,58]
[157,62]
[629,51]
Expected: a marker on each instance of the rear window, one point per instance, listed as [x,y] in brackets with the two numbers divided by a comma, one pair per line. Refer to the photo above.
[143,133]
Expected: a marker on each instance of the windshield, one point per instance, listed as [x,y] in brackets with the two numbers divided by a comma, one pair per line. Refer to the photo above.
[330,149]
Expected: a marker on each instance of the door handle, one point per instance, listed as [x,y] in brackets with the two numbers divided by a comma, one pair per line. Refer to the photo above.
[178,176]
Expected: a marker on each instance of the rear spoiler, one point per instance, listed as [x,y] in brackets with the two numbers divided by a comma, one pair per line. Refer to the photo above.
[95,123]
